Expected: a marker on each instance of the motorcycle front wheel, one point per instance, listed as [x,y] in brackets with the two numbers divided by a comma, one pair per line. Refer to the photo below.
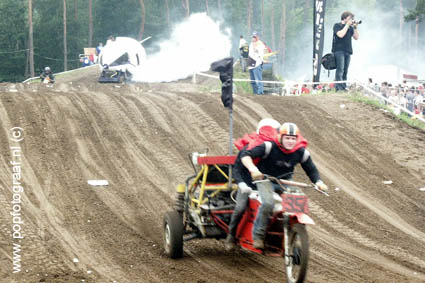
[296,256]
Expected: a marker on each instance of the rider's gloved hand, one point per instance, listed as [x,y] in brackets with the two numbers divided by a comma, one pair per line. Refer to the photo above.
[245,189]
[256,175]
[322,186]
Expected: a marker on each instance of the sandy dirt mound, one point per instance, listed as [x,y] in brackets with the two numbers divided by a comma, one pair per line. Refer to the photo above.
[137,137]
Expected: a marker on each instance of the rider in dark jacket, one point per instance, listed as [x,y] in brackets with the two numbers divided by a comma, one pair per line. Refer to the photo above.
[278,159]
[47,75]
[266,131]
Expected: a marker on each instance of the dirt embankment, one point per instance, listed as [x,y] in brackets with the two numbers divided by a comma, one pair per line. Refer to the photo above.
[138,136]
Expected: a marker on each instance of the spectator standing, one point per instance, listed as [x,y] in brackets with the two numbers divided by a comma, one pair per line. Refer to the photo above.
[410,96]
[393,97]
[403,100]
[342,47]
[242,42]
[419,99]
[384,89]
[305,89]
[404,85]
[255,63]
[98,50]
[244,51]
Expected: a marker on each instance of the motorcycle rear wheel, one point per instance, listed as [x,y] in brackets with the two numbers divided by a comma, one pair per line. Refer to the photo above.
[298,247]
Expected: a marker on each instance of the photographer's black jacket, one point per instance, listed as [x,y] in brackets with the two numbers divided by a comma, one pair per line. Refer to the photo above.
[277,163]
[342,44]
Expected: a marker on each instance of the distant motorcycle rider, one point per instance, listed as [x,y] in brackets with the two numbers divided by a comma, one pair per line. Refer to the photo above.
[278,158]
[47,76]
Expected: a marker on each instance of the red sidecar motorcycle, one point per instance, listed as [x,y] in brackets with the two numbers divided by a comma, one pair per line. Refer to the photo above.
[205,203]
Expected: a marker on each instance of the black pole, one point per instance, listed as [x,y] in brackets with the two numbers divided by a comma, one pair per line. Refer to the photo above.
[225,67]
[318,36]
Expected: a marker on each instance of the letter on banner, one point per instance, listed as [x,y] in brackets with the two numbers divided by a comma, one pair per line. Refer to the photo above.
[318,36]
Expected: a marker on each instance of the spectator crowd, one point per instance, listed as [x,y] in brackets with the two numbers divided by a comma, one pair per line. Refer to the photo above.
[407,96]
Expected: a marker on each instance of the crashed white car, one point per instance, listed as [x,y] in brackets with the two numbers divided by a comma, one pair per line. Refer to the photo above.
[120,58]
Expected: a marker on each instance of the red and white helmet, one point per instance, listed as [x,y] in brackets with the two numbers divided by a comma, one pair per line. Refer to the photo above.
[289,129]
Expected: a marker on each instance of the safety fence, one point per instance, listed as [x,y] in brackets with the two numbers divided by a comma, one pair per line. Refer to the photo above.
[296,88]
[286,87]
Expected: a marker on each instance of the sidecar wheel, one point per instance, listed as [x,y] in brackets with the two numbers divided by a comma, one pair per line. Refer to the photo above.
[173,234]
[296,263]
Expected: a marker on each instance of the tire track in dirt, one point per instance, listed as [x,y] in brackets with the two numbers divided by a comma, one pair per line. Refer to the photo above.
[32,245]
[209,127]
[368,255]
[165,157]
[114,201]
[369,202]
[68,241]
[254,107]
[320,213]
[154,201]
[117,204]
[92,156]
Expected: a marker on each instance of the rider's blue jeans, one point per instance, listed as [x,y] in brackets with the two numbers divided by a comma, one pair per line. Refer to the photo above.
[265,190]
[238,211]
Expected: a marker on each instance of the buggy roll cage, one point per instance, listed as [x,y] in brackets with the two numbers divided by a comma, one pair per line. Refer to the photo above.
[211,177]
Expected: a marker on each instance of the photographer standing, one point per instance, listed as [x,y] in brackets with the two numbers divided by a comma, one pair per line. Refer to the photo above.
[342,47]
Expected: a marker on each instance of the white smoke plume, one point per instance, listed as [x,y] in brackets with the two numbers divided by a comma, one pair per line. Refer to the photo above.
[194,44]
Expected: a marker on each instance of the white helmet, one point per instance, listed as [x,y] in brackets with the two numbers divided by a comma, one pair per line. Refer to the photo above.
[47,69]
[268,122]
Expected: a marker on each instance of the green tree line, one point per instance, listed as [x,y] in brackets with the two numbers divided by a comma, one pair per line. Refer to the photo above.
[58,40]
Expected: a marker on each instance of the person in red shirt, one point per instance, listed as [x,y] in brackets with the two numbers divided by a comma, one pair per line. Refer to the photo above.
[305,89]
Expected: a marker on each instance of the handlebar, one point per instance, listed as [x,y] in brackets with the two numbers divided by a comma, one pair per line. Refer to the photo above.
[282,182]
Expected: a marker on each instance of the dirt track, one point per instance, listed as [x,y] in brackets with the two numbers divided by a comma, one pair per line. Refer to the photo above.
[137,137]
